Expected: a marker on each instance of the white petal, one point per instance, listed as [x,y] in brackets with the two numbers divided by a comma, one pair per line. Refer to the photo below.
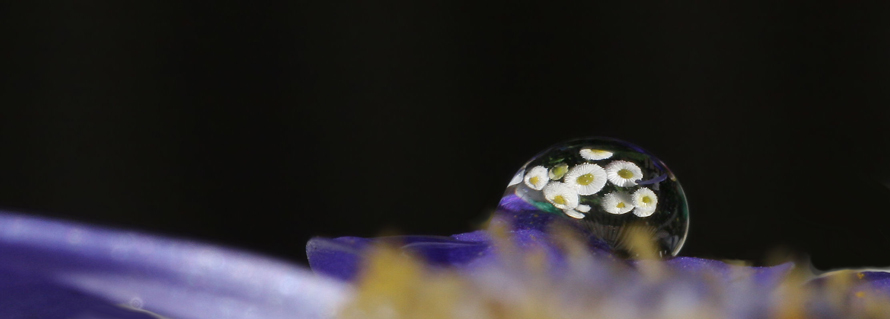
[612,201]
[583,208]
[595,154]
[538,174]
[516,178]
[574,214]
[642,193]
[615,167]
[579,177]
[644,212]
[567,193]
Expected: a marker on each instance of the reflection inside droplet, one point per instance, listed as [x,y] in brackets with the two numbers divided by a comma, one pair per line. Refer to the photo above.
[607,186]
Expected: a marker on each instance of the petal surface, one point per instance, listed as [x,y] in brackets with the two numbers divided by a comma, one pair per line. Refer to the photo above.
[173,278]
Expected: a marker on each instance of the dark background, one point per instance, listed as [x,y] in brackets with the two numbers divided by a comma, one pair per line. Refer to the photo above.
[257,126]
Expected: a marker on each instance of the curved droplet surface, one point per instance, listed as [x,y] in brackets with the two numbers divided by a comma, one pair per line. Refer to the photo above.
[613,189]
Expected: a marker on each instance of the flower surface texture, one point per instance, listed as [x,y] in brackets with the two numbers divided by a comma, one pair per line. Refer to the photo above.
[530,264]
[57,269]
[526,265]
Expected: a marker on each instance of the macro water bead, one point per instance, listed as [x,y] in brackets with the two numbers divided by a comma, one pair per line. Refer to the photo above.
[613,189]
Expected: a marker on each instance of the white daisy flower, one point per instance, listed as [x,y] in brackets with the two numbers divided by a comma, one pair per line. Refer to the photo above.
[645,198]
[595,154]
[537,178]
[624,173]
[561,195]
[583,208]
[558,171]
[617,203]
[574,214]
[645,201]
[517,178]
[587,178]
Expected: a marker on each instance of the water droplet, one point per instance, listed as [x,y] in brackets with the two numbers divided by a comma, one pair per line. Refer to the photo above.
[610,187]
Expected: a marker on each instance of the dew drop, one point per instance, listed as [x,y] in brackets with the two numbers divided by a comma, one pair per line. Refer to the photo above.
[660,203]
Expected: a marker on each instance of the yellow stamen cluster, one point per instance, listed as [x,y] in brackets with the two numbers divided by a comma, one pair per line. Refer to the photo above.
[394,285]
[585,179]
[625,173]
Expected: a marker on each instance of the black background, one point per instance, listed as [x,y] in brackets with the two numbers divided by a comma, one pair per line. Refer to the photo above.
[257,126]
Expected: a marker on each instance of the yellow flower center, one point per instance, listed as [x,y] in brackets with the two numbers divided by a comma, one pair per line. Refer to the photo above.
[559,200]
[625,173]
[620,205]
[585,179]
[534,180]
[647,200]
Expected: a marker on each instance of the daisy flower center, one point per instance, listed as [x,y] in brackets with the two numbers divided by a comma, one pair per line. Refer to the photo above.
[647,199]
[585,179]
[559,200]
[534,180]
[620,205]
[625,173]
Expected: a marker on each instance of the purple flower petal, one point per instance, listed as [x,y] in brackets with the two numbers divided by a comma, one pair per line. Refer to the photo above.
[514,212]
[72,263]
[477,236]
[765,276]
[873,281]
[341,257]
[30,296]
[338,258]
[448,254]
[877,280]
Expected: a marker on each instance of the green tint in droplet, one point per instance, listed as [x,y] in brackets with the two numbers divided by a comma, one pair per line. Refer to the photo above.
[558,171]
